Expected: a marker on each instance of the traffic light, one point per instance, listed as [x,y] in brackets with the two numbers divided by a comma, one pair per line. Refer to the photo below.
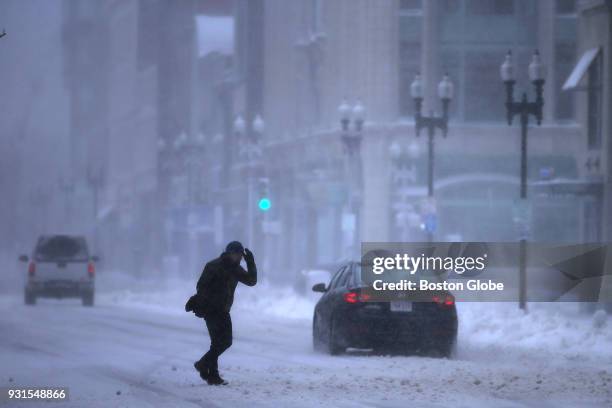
[264,203]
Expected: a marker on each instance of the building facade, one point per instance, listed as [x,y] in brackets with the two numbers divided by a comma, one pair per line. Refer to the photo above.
[591,84]
[130,81]
[318,53]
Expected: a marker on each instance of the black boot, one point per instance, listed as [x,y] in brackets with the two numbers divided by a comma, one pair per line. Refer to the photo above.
[215,379]
[203,370]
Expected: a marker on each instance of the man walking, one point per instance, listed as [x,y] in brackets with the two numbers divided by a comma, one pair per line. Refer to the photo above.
[215,289]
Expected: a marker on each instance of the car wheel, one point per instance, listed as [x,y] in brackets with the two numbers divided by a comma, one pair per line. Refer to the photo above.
[333,348]
[88,299]
[29,298]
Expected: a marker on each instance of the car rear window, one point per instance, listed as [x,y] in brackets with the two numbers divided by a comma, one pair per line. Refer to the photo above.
[61,248]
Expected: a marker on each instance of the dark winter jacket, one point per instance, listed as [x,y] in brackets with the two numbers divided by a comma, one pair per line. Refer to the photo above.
[218,282]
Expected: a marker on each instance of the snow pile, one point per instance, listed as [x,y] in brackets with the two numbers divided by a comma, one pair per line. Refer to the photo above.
[547,327]
[484,328]
[170,295]
[274,301]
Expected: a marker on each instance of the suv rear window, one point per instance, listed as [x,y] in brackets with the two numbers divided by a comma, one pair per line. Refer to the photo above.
[61,248]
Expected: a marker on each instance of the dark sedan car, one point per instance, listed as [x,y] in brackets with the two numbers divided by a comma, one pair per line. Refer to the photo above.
[344,317]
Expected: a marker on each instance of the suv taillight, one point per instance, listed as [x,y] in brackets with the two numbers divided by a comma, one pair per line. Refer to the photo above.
[355,297]
[31,269]
[447,300]
[91,269]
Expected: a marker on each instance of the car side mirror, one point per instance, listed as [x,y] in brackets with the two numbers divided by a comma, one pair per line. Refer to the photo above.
[95,258]
[319,287]
[24,258]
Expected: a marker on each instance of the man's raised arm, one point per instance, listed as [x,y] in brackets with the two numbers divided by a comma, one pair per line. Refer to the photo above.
[248,277]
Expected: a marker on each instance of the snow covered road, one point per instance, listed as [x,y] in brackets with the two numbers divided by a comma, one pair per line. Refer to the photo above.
[131,351]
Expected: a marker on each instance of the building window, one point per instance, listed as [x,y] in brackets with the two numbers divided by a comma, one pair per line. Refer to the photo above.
[410,65]
[148,27]
[316,16]
[566,6]
[594,103]
[482,87]
[411,5]
[490,7]
[471,51]
[565,55]
[411,23]
[565,34]
[450,6]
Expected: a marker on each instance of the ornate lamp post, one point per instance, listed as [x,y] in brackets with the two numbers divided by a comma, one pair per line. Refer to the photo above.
[188,150]
[404,175]
[523,109]
[431,122]
[250,148]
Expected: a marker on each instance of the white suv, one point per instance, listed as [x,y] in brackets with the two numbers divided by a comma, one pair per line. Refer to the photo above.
[60,266]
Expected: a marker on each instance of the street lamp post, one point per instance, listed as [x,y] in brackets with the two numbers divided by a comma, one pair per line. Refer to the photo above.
[251,149]
[524,109]
[431,122]
[192,149]
[404,175]
[351,138]
[189,151]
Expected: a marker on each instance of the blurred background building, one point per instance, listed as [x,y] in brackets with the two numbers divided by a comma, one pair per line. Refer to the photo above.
[318,53]
[180,125]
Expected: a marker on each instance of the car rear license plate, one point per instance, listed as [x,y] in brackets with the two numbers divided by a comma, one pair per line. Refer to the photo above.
[401,306]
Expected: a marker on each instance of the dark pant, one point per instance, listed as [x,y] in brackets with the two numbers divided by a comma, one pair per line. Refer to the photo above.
[219,326]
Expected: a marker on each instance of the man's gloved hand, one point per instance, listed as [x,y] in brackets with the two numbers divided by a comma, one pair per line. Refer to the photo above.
[248,256]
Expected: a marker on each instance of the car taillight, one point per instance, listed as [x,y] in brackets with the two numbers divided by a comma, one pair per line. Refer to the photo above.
[31,269]
[354,297]
[447,300]
[91,269]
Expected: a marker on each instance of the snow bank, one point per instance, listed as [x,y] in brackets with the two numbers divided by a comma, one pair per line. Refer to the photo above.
[484,328]
[547,327]
[275,301]
[170,295]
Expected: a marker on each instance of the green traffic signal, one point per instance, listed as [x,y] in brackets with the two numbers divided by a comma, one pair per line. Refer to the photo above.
[264,204]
